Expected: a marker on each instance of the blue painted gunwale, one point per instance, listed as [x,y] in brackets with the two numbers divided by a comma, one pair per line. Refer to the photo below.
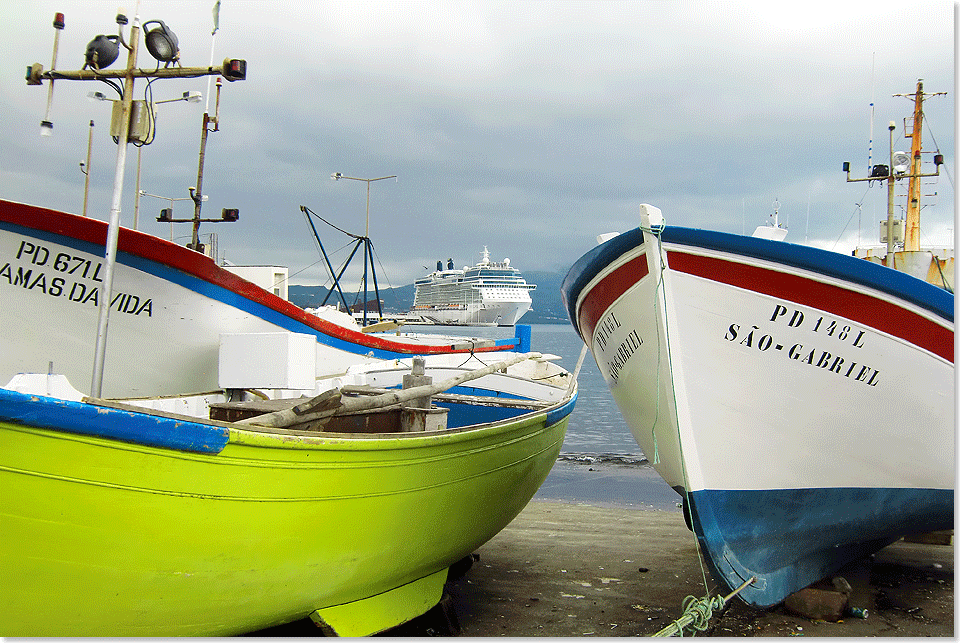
[591,263]
[183,435]
[127,426]
[461,415]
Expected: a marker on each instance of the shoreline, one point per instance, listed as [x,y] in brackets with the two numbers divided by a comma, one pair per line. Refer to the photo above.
[628,482]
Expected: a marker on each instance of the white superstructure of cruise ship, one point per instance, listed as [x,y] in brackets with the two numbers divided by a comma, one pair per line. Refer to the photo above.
[491,293]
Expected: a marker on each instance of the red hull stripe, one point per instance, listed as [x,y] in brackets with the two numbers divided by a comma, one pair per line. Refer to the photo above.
[602,295]
[169,254]
[867,310]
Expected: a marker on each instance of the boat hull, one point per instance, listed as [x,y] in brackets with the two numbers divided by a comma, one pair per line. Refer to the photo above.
[802,402]
[170,306]
[231,530]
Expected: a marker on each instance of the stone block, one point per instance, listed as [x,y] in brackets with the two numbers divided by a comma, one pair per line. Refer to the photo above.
[817,604]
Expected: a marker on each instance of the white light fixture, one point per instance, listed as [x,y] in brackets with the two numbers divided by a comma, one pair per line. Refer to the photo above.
[100,96]
[901,162]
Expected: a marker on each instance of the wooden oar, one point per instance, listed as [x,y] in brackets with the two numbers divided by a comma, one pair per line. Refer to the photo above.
[331,403]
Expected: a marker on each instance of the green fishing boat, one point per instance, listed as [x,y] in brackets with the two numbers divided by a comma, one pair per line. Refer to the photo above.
[122,520]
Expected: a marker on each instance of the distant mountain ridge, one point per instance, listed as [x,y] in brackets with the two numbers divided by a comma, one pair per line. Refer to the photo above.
[547,306]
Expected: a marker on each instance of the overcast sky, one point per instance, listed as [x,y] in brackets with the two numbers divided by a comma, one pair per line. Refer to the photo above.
[528,127]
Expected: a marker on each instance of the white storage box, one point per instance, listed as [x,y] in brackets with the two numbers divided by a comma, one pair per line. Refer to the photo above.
[268,360]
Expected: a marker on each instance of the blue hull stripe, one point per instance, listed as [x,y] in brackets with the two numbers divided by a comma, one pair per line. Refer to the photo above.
[790,538]
[589,266]
[226,296]
[833,264]
[86,419]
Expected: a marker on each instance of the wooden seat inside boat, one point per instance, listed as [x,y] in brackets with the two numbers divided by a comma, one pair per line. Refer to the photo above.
[391,419]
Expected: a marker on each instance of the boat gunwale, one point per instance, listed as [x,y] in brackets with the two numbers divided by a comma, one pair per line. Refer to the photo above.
[211,436]
[823,262]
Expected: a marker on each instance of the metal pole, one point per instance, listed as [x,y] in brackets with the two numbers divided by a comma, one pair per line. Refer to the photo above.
[367,233]
[136,198]
[366,240]
[86,180]
[366,236]
[911,235]
[197,198]
[113,230]
[46,127]
[890,256]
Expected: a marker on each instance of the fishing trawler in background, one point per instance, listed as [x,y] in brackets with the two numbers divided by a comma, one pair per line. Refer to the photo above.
[491,293]
[901,237]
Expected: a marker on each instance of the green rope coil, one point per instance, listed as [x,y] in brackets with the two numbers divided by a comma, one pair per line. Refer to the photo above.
[697,613]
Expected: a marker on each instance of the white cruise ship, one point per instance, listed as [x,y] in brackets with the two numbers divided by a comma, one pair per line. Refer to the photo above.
[491,293]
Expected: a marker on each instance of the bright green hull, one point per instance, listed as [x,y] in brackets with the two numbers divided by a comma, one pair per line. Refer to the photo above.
[105,538]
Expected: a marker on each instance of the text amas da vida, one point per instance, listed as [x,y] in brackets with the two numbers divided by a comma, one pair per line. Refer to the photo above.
[60,274]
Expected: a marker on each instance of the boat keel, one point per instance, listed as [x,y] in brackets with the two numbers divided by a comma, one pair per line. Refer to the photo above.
[381,612]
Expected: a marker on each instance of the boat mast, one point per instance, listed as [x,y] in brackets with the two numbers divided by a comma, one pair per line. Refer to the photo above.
[164,49]
[888,174]
[912,232]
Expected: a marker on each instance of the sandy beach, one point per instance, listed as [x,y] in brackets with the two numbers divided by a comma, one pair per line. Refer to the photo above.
[603,551]
[565,569]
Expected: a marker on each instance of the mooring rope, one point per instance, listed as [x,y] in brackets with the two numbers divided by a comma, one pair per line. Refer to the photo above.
[697,612]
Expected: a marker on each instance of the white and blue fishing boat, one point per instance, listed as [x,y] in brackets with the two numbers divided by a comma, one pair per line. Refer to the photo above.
[802,402]
[170,307]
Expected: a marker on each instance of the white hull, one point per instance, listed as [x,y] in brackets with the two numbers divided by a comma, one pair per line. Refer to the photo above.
[785,386]
[171,307]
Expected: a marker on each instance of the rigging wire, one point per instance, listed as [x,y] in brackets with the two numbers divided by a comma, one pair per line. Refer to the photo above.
[383,271]
[858,206]
[349,234]
[946,169]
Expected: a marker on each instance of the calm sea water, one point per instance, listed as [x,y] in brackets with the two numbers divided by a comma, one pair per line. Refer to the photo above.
[600,462]
[596,426]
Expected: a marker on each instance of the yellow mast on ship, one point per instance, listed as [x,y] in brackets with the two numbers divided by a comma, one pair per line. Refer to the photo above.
[924,265]
[911,239]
